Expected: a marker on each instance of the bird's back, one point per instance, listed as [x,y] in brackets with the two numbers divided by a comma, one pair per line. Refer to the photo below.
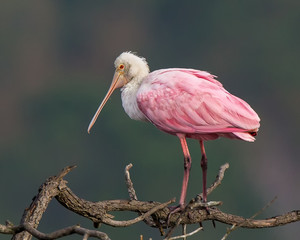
[194,103]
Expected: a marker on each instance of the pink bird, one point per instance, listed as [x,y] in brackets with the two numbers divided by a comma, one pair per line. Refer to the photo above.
[186,103]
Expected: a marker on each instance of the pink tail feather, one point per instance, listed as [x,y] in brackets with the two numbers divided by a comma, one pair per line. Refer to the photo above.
[245,136]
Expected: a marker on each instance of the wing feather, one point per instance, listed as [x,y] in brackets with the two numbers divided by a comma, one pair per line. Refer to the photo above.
[191,101]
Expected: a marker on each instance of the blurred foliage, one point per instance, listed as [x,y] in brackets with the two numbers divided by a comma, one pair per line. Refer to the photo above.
[56,63]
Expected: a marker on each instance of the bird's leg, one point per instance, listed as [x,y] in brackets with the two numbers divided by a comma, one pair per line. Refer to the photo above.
[204,170]
[187,167]
[186,174]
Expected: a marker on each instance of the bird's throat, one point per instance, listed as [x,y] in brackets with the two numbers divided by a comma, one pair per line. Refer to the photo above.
[128,95]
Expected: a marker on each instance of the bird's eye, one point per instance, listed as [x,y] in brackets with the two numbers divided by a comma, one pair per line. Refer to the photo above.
[121,66]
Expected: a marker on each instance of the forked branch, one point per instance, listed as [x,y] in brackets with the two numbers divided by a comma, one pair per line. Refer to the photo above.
[154,214]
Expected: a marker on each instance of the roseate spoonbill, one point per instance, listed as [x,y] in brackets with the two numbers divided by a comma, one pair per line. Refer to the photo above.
[187,103]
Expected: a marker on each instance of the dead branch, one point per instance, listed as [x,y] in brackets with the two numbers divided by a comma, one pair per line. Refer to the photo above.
[25,227]
[218,180]
[34,213]
[154,214]
[234,227]
[114,223]
[129,184]
[186,234]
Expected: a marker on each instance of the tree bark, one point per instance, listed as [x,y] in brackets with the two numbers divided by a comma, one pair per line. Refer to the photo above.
[154,214]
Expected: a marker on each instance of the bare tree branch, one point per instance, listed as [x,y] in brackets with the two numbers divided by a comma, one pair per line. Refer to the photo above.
[57,234]
[65,232]
[131,191]
[154,214]
[34,213]
[234,227]
[109,221]
[218,180]
[186,234]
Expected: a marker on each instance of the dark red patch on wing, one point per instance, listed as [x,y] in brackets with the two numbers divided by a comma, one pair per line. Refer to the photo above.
[253,133]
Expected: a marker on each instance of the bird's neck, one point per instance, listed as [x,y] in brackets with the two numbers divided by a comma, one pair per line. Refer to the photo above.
[128,95]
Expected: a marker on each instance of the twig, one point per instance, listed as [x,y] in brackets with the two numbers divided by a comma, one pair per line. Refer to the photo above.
[218,180]
[230,230]
[235,226]
[56,234]
[132,195]
[65,232]
[85,237]
[169,233]
[265,207]
[8,228]
[184,231]
[129,183]
[127,223]
[186,235]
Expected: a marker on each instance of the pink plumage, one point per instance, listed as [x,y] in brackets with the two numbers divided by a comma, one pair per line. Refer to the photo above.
[194,103]
[187,103]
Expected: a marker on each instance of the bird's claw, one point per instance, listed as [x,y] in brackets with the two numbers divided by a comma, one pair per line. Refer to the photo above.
[174,209]
[206,205]
[199,203]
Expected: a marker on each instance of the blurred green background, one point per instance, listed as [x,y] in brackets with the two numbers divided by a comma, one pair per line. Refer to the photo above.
[56,64]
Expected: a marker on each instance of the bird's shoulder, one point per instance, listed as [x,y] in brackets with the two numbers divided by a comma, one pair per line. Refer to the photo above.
[182,75]
[179,80]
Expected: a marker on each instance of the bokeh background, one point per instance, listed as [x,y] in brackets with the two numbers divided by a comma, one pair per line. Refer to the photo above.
[56,64]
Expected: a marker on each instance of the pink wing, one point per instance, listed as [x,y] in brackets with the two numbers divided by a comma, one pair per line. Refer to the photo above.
[194,103]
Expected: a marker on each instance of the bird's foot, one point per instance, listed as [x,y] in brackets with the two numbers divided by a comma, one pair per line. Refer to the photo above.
[202,202]
[177,208]
[174,209]
[207,206]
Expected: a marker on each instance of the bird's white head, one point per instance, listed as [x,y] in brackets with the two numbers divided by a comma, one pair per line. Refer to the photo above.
[132,66]
[129,67]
